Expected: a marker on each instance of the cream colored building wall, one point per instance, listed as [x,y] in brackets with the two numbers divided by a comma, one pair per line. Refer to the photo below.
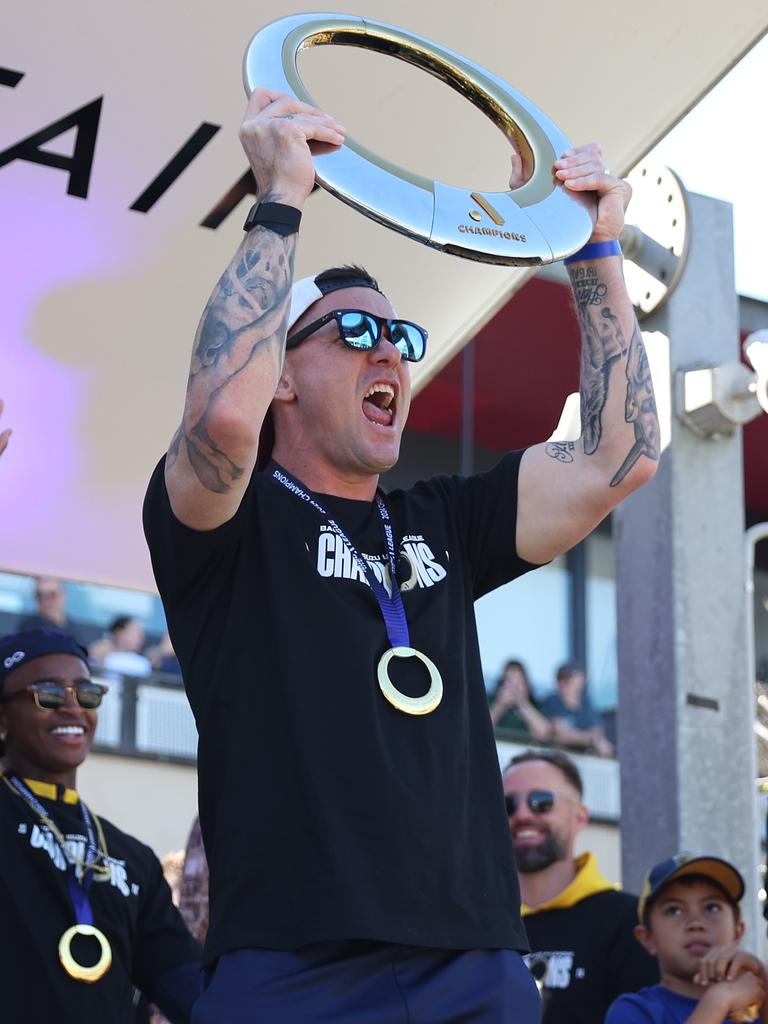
[605,842]
[152,800]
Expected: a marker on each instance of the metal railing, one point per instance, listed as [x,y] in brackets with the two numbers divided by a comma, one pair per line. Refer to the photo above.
[148,718]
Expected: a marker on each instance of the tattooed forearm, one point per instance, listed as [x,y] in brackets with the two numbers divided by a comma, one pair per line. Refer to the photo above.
[602,344]
[639,408]
[245,320]
[561,450]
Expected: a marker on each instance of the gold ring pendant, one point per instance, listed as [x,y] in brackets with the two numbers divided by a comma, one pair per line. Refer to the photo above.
[410,705]
[72,967]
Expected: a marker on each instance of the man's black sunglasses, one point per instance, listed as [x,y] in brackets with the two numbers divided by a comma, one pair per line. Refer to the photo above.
[540,801]
[361,330]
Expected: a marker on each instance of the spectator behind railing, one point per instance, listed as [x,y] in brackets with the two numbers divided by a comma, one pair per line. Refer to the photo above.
[163,657]
[513,705]
[575,723]
[119,651]
[580,929]
[51,610]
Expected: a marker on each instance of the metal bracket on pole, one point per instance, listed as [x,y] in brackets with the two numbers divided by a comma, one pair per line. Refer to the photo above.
[713,401]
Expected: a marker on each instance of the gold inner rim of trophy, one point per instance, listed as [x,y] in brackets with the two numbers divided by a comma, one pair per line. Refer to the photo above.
[453,72]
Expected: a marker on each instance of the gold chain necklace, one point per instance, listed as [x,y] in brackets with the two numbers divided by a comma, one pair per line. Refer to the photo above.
[95,866]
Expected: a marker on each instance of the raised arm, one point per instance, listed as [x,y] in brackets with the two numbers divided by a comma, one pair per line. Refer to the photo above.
[240,342]
[567,488]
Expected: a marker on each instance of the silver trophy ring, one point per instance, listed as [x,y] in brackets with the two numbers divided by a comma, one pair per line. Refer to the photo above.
[428,701]
[540,222]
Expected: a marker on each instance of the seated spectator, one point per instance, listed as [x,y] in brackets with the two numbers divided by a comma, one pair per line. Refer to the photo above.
[513,705]
[580,928]
[87,915]
[575,723]
[51,611]
[119,650]
[690,920]
[163,658]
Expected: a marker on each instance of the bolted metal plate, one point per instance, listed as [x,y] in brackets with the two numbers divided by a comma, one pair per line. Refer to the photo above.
[655,241]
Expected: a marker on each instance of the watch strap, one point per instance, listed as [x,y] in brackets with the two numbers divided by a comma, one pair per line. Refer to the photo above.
[278,217]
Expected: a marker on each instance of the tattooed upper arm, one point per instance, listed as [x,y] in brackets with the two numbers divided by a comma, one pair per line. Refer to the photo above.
[236,362]
[567,487]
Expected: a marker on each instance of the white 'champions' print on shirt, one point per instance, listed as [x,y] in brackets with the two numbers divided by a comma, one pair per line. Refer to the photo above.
[551,969]
[43,839]
[334,559]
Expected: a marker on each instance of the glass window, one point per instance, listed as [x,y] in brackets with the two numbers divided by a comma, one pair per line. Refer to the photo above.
[602,667]
[527,620]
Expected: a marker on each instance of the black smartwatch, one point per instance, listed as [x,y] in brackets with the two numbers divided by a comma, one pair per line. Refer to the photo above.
[284,220]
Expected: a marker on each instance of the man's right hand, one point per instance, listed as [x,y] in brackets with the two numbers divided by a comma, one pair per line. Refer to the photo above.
[279,135]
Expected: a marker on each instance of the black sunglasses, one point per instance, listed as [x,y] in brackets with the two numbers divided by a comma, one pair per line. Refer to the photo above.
[361,330]
[50,696]
[540,801]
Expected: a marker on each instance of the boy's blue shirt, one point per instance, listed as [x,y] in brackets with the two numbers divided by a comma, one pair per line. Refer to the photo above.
[654,1005]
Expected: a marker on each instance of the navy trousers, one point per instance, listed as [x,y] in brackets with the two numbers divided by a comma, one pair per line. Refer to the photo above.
[369,983]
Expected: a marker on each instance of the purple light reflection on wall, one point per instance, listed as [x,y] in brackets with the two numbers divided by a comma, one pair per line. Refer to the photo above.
[50,242]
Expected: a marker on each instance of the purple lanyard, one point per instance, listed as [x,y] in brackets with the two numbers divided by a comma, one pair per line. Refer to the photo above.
[77,892]
[391,605]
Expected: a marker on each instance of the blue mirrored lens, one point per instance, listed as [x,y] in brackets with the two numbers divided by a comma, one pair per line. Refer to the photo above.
[359,329]
[408,339]
[363,331]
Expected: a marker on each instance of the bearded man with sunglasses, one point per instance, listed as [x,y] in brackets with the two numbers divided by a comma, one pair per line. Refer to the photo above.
[580,927]
[350,800]
[87,916]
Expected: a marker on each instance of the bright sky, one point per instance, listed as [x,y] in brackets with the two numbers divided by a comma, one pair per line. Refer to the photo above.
[721,149]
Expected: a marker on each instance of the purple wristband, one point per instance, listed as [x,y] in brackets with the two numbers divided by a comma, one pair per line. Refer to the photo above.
[594,251]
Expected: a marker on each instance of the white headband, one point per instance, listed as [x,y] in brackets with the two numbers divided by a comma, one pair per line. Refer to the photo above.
[303,294]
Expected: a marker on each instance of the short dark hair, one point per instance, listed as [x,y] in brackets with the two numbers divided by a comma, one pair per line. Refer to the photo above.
[690,880]
[556,758]
[568,671]
[120,623]
[356,275]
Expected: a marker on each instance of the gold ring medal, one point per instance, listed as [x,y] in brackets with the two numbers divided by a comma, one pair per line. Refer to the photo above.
[78,971]
[410,705]
[390,604]
[94,862]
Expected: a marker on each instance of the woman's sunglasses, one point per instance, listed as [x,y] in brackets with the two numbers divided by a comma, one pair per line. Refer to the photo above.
[361,330]
[540,801]
[52,696]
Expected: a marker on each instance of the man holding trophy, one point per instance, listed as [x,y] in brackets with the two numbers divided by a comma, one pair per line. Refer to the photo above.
[350,797]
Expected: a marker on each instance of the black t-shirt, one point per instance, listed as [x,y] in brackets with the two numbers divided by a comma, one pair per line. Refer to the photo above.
[132,907]
[328,814]
[585,956]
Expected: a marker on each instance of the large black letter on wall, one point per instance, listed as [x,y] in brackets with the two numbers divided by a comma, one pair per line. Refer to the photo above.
[79,164]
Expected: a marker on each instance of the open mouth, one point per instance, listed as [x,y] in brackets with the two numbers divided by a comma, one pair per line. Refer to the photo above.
[379,404]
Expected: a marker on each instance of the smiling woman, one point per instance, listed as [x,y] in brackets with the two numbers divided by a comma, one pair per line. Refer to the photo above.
[111,937]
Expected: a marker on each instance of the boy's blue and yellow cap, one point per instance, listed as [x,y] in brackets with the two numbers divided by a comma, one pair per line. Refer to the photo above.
[719,870]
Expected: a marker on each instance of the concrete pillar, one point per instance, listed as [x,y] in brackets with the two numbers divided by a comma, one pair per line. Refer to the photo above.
[686,704]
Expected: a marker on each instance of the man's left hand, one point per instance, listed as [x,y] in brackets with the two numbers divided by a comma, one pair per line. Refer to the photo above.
[583,170]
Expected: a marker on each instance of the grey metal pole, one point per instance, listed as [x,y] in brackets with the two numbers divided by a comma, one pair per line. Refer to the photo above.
[686,718]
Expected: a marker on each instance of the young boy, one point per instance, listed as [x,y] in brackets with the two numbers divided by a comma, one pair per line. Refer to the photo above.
[691,921]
